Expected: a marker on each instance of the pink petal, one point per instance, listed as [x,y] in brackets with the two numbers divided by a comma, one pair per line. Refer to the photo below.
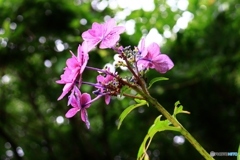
[73,101]
[109,25]
[143,64]
[66,77]
[107,99]
[60,81]
[85,47]
[141,44]
[72,62]
[100,78]
[71,112]
[97,28]
[84,117]
[153,50]
[112,37]
[108,78]
[77,91]
[85,98]
[142,49]
[70,97]
[163,63]
[91,40]
[118,30]
[66,89]
[109,41]
[83,56]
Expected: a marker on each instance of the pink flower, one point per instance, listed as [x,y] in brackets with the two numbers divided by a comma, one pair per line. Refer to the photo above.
[80,103]
[74,69]
[107,33]
[104,81]
[151,57]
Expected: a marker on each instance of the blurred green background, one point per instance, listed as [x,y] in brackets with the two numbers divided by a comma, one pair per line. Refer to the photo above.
[202,37]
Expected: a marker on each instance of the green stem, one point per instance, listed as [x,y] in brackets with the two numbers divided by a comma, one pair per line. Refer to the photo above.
[175,123]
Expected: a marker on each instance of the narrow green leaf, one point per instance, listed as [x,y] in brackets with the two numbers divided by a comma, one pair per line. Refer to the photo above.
[177,103]
[158,126]
[140,100]
[156,80]
[128,110]
[142,150]
[179,109]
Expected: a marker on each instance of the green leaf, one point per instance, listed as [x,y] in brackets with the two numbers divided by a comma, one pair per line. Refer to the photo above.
[179,109]
[158,126]
[140,100]
[128,110]
[156,80]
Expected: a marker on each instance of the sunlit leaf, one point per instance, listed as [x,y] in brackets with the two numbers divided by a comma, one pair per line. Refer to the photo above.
[156,80]
[158,126]
[146,157]
[140,100]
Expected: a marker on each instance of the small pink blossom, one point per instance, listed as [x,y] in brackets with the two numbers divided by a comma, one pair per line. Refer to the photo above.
[107,33]
[151,57]
[104,82]
[80,103]
[74,69]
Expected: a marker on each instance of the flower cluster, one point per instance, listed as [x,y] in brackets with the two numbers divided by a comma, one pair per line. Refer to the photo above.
[136,61]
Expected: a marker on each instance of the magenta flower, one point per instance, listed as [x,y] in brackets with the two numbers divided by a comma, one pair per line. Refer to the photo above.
[151,57]
[103,82]
[74,69]
[80,103]
[107,33]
